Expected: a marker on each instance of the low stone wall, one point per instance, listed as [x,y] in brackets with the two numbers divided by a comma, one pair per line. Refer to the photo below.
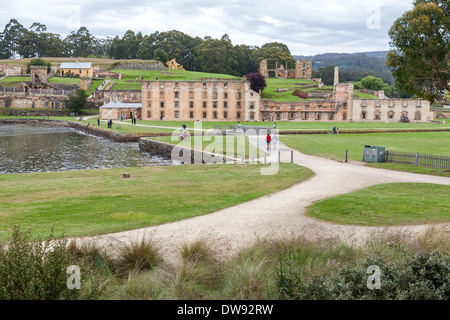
[141,66]
[96,131]
[164,150]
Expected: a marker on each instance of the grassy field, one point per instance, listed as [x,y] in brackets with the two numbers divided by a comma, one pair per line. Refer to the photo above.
[100,201]
[334,146]
[387,204]
[224,145]
[13,81]
[130,77]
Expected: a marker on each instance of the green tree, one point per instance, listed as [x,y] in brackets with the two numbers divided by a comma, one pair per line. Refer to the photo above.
[372,83]
[76,101]
[39,62]
[276,53]
[160,55]
[327,75]
[420,54]
[217,56]
[79,44]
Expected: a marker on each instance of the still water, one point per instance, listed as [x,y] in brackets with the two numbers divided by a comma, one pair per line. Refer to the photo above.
[26,148]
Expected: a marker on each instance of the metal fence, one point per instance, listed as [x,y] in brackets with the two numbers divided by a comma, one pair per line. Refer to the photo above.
[419,159]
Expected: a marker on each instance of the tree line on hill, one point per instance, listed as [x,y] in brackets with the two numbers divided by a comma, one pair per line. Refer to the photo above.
[194,53]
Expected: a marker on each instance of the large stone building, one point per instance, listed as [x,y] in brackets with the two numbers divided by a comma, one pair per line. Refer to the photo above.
[234,100]
[205,99]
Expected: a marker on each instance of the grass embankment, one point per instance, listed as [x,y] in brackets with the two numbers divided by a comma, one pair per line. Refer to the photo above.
[334,146]
[100,201]
[130,77]
[14,81]
[232,146]
[387,204]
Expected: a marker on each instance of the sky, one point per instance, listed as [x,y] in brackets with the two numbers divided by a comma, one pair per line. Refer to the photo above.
[307,27]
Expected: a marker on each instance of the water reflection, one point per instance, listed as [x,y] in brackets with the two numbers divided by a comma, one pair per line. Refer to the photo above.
[36,149]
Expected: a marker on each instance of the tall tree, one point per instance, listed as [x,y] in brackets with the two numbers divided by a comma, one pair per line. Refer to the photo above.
[79,44]
[276,53]
[420,54]
[216,56]
[76,101]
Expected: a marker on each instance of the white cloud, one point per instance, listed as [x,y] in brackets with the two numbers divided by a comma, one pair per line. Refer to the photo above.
[307,27]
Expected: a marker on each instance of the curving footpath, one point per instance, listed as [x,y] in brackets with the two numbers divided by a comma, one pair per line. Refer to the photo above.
[280,214]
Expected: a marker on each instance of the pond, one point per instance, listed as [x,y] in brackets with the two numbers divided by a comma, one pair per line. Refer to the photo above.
[25,148]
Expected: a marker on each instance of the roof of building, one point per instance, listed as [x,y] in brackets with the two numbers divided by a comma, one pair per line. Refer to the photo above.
[121,105]
[76,65]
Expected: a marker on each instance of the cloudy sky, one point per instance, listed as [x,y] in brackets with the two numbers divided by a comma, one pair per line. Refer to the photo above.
[308,27]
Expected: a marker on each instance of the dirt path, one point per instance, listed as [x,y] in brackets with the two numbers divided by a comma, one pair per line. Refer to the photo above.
[279,214]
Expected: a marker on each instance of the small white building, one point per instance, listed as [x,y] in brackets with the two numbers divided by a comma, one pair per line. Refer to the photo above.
[114,110]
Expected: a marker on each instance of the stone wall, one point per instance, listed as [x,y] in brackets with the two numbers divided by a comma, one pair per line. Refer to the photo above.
[142,66]
[91,129]
[190,156]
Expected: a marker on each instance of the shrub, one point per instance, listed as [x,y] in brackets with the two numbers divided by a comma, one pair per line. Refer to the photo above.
[299,93]
[33,270]
[137,256]
[421,276]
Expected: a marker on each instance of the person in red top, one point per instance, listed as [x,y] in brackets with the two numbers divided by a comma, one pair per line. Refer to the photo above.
[268,139]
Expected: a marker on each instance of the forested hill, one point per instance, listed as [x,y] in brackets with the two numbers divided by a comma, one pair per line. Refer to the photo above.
[360,64]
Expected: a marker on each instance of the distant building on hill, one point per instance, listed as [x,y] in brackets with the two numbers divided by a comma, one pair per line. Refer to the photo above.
[83,69]
[174,65]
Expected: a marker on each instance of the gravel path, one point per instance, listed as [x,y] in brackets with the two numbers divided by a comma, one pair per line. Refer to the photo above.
[280,214]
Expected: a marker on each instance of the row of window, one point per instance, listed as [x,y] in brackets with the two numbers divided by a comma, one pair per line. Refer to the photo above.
[215,104]
[176,95]
[390,115]
[191,85]
[214,114]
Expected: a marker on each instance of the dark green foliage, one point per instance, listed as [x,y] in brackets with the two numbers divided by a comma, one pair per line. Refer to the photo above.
[421,276]
[30,270]
[77,101]
[38,62]
[420,45]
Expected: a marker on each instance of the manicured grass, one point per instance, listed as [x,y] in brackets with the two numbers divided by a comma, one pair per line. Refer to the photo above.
[387,204]
[14,81]
[363,95]
[223,145]
[334,146]
[270,91]
[100,201]
[64,80]
[130,82]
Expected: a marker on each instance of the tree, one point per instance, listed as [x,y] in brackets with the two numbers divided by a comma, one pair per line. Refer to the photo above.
[276,53]
[257,81]
[79,44]
[160,55]
[420,54]
[372,83]
[76,101]
[39,62]
[216,56]
[327,75]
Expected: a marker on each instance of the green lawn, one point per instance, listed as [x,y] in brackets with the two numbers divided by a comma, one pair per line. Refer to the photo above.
[14,81]
[131,82]
[387,204]
[64,80]
[334,146]
[233,146]
[100,201]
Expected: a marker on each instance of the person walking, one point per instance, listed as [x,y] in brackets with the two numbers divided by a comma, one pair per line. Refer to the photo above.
[98,122]
[334,130]
[268,140]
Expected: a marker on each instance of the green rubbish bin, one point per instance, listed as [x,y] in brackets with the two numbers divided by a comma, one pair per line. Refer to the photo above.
[374,154]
